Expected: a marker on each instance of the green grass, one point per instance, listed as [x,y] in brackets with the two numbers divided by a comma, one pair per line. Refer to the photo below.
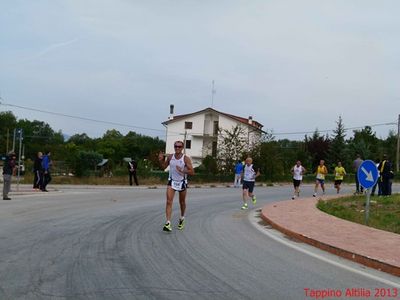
[384,212]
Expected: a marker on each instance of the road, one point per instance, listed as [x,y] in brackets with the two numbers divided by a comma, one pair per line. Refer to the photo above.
[107,243]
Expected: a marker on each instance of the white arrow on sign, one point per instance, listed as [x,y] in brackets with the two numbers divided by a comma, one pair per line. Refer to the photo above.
[369,174]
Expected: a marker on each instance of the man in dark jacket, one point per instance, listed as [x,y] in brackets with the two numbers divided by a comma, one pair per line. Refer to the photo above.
[386,175]
[132,166]
[38,171]
[46,164]
[8,171]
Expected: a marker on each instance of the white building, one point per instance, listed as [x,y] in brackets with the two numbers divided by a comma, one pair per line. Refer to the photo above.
[199,131]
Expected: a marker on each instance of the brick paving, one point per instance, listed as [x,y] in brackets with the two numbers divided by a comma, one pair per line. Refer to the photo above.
[302,220]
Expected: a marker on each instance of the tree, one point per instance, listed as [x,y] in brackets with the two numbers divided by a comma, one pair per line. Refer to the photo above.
[110,145]
[364,143]
[337,150]
[268,158]
[389,147]
[232,145]
[82,162]
[317,147]
[7,125]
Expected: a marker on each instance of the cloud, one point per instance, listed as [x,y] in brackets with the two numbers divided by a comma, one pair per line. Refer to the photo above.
[50,49]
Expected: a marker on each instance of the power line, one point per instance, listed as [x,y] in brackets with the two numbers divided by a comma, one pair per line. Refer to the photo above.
[179,133]
[80,118]
[329,130]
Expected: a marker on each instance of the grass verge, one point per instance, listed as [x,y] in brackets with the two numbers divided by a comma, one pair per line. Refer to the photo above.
[384,212]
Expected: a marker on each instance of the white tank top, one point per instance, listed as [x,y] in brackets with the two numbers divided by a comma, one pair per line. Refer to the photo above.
[297,172]
[249,173]
[173,172]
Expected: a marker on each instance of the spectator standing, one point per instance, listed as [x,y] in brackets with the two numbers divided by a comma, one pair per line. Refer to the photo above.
[378,182]
[238,174]
[321,172]
[46,165]
[38,171]
[132,167]
[8,172]
[356,164]
[297,171]
[386,175]
[339,175]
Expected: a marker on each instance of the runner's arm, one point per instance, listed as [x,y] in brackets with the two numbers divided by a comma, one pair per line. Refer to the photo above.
[188,166]
[161,159]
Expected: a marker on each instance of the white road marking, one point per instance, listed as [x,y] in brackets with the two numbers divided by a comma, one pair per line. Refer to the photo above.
[254,221]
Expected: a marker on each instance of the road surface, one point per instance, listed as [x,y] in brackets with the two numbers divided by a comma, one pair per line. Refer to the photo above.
[108,243]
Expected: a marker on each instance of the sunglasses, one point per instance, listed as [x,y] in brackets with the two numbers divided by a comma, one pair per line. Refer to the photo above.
[178,146]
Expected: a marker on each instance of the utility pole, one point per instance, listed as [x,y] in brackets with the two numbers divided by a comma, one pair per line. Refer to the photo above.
[398,145]
[184,142]
[19,158]
[15,132]
[8,137]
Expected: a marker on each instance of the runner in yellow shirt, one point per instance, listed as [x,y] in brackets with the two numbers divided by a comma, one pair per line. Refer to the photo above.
[339,174]
[320,179]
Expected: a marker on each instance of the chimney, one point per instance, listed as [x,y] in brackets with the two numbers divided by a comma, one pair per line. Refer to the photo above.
[171,112]
[250,120]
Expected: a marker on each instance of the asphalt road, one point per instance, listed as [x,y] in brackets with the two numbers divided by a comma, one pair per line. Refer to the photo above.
[107,243]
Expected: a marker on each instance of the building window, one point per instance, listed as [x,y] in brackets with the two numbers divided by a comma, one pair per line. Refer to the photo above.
[188,144]
[214,149]
[216,127]
[188,125]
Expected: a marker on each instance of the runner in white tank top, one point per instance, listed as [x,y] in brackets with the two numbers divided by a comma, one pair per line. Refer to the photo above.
[298,171]
[173,172]
[250,173]
[180,166]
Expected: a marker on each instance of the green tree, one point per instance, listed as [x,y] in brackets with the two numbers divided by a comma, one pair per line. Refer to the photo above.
[317,147]
[232,145]
[364,143]
[83,162]
[389,147]
[110,146]
[337,150]
[269,158]
[8,122]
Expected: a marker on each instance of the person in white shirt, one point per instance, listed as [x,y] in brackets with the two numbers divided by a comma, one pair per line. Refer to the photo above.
[180,165]
[297,171]
[250,172]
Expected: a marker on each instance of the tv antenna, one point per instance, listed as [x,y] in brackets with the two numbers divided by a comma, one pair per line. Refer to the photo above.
[213,91]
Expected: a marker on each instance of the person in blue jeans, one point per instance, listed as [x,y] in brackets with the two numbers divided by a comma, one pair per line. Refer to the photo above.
[238,174]
[46,164]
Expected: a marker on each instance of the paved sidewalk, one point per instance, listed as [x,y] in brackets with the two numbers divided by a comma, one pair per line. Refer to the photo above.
[369,246]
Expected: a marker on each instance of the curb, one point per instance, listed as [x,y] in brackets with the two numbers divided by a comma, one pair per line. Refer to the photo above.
[350,255]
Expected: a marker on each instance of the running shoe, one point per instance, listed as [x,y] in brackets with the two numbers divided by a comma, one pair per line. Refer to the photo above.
[293,198]
[181,224]
[244,206]
[254,199]
[167,227]
[314,195]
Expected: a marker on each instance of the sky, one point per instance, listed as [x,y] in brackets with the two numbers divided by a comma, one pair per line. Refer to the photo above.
[294,66]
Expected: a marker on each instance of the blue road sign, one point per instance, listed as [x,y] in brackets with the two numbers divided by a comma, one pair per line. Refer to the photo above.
[367,174]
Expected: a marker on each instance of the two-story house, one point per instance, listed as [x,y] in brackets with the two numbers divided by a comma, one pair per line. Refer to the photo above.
[199,131]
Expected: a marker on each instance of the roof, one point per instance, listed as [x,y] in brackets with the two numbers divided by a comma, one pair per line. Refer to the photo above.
[242,120]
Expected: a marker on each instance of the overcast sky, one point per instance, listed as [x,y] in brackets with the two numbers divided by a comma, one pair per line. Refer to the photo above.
[293,65]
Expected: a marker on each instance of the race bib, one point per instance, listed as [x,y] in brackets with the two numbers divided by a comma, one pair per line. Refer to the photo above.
[320,176]
[176,185]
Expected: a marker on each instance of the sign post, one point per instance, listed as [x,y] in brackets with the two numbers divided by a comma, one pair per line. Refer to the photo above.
[367,176]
